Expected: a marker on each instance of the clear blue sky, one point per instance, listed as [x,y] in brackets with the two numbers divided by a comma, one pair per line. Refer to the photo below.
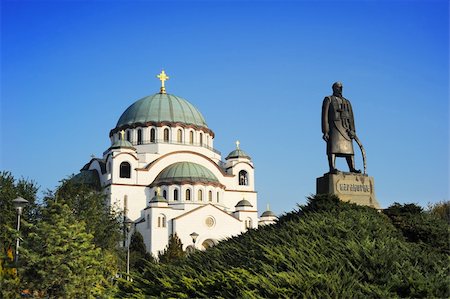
[257,70]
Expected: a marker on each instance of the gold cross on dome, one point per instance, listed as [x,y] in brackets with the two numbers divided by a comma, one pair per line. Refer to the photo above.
[163,77]
[237,144]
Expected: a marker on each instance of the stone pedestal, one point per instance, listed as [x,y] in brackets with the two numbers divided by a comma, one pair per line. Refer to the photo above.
[352,187]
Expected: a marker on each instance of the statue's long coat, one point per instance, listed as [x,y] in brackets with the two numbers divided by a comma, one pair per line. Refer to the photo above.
[337,121]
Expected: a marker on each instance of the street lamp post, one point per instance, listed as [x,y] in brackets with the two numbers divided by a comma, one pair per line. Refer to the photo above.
[127,222]
[19,203]
[194,236]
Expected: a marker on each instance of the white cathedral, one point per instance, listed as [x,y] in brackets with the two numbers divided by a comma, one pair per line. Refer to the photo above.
[163,171]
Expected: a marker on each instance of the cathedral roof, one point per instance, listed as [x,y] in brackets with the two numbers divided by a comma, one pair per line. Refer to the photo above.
[185,173]
[89,178]
[243,203]
[122,143]
[161,107]
[268,213]
[237,153]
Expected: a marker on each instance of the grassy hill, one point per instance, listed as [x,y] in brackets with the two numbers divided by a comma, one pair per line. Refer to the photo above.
[326,249]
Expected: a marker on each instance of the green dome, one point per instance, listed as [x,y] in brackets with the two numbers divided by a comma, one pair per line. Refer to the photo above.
[122,143]
[268,214]
[159,108]
[185,173]
[237,153]
[243,203]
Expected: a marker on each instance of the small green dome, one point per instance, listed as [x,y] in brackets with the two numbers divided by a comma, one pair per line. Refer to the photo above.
[162,107]
[158,198]
[268,214]
[243,203]
[122,143]
[185,173]
[237,153]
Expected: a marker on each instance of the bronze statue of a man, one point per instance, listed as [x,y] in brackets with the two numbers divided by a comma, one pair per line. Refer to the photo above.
[338,128]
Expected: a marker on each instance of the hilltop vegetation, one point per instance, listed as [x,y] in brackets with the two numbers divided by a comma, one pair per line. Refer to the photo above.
[326,249]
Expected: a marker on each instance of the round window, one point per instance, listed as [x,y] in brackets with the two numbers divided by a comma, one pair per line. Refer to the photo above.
[209,221]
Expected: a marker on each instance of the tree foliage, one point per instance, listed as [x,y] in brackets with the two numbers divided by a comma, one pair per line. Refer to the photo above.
[441,210]
[10,189]
[90,206]
[326,249]
[419,227]
[138,253]
[61,260]
[173,251]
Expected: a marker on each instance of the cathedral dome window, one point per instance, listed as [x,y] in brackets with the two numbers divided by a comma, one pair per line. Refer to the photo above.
[210,196]
[152,135]
[217,196]
[139,136]
[128,136]
[166,135]
[125,170]
[188,194]
[200,195]
[179,136]
[201,139]
[165,194]
[191,137]
[243,178]
[175,194]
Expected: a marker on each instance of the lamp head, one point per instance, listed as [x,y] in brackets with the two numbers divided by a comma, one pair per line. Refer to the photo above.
[194,236]
[19,203]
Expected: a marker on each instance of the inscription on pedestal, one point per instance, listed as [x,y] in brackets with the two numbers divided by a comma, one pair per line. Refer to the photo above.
[355,188]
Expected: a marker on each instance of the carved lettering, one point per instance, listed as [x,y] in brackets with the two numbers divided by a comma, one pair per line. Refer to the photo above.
[354,188]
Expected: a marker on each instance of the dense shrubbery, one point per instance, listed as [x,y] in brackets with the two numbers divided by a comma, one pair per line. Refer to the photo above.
[325,249]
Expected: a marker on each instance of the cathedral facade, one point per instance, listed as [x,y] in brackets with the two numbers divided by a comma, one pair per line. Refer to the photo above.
[163,171]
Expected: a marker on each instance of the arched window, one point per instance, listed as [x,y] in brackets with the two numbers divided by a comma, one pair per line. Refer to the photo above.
[217,196]
[200,195]
[201,138]
[152,135]
[248,223]
[191,137]
[129,136]
[165,194]
[161,220]
[243,178]
[125,170]
[166,135]
[210,195]
[139,136]
[175,194]
[188,194]
[179,136]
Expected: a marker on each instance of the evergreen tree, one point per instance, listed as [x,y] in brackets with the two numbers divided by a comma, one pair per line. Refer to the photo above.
[138,253]
[10,189]
[61,260]
[91,206]
[173,251]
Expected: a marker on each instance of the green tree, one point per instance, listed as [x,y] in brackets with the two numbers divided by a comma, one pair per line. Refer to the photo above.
[326,249]
[441,210]
[91,206]
[61,260]
[173,251]
[418,226]
[138,253]
[11,188]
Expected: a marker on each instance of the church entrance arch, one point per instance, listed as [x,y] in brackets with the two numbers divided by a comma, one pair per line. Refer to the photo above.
[209,243]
